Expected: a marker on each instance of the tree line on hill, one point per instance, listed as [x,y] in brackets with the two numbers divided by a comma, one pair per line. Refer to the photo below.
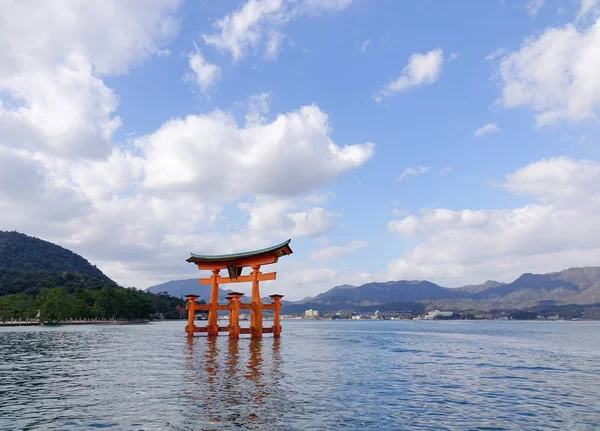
[55,304]
[37,276]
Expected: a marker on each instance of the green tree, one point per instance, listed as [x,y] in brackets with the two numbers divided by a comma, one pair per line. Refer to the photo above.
[54,304]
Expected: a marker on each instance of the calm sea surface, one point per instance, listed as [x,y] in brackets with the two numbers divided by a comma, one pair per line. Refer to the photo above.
[355,375]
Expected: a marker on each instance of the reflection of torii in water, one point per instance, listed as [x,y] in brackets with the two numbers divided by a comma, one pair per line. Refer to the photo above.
[231,387]
[235,263]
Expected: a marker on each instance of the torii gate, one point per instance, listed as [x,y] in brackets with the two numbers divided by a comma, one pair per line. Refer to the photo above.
[234,263]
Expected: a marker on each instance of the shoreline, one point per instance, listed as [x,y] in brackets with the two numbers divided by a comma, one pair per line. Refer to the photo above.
[75,322]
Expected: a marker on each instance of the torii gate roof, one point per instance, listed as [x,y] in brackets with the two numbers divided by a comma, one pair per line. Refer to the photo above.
[276,251]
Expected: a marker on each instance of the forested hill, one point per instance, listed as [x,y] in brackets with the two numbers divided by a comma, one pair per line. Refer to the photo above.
[25,253]
[28,264]
[37,276]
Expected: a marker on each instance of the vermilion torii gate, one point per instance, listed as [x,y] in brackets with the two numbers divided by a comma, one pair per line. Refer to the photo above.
[235,263]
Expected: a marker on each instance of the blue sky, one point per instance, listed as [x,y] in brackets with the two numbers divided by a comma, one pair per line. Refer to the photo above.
[452,141]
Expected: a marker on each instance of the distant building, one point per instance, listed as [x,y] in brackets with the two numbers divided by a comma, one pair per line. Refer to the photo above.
[311,314]
[377,315]
[437,313]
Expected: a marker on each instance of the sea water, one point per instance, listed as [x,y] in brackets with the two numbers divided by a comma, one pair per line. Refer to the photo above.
[321,375]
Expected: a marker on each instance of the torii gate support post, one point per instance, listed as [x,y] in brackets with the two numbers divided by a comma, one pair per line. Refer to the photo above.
[256,310]
[213,313]
[234,314]
[191,309]
[276,310]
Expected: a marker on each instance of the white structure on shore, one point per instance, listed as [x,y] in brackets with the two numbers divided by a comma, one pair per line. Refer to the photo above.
[311,314]
[437,313]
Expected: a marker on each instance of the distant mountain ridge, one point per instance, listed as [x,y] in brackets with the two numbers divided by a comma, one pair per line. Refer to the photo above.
[571,286]
[579,286]
[180,288]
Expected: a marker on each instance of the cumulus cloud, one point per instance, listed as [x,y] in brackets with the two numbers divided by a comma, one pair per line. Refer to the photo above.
[554,231]
[558,181]
[34,200]
[282,218]
[554,74]
[487,129]
[422,69]
[261,21]
[202,73]
[418,170]
[336,251]
[52,96]
[211,156]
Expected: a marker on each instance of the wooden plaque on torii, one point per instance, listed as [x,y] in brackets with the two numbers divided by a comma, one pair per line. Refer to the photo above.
[234,264]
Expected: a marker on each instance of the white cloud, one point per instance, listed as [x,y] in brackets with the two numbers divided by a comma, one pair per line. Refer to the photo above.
[260,22]
[534,6]
[291,155]
[589,8]
[52,96]
[319,198]
[281,219]
[559,181]
[318,6]
[397,212]
[422,69]
[202,73]
[498,52]
[554,74]
[555,231]
[336,251]
[365,44]
[258,107]
[302,280]
[418,170]
[33,200]
[446,170]
[487,129]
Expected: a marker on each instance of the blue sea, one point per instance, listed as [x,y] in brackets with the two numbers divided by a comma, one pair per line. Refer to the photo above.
[321,375]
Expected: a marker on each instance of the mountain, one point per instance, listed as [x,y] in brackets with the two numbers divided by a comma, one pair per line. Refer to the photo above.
[382,293]
[22,252]
[579,286]
[179,288]
[38,278]
[28,264]
[475,288]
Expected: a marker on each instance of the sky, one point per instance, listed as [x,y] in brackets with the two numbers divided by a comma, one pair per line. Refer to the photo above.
[449,141]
